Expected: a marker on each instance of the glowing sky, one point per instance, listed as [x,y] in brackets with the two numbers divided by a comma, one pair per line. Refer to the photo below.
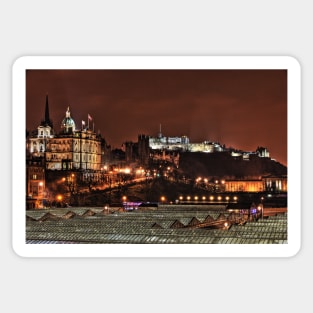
[242,109]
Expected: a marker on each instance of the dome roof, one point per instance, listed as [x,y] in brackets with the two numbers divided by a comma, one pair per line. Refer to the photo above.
[68,124]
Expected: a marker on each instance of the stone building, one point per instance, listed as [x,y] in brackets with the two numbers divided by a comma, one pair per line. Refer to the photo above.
[62,153]
[70,149]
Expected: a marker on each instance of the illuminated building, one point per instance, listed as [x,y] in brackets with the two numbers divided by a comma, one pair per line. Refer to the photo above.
[244,185]
[265,183]
[182,143]
[36,143]
[70,149]
[35,184]
[276,183]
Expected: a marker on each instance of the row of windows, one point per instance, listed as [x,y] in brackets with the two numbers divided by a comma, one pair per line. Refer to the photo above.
[57,157]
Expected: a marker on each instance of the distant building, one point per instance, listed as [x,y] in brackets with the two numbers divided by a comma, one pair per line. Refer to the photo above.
[183,144]
[268,183]
[274,183]
[262,152]
[131,152]
[143,149]
[244,185]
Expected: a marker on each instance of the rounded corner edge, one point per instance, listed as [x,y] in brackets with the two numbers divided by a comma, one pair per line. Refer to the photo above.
[18,61]
[17,251]
[295,250]
[294,61]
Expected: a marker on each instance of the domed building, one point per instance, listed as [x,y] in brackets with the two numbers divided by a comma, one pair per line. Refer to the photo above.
[70,149]
[65,153]
[68,124]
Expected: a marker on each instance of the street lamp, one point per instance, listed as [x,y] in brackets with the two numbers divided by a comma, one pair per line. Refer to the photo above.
[59,198]
[262,207]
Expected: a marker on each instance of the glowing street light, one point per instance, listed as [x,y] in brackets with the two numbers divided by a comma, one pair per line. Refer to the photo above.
[261,208]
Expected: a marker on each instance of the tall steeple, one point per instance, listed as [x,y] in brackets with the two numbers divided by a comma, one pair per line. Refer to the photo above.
[47,118]
[47,121]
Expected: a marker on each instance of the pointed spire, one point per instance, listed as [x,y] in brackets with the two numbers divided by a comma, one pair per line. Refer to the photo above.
[47,121]
[47,117]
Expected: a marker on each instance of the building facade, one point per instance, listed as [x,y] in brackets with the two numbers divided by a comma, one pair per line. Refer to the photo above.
[80,150]
[35,184]
[70,149]
[55,156]
[275,184]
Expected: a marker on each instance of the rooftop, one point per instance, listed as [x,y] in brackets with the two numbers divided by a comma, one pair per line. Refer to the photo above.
[165,224]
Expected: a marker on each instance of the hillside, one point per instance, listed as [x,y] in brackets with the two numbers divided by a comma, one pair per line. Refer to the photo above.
[222,164]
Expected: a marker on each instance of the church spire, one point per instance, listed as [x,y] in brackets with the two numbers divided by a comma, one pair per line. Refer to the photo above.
[47,121]
[47,118]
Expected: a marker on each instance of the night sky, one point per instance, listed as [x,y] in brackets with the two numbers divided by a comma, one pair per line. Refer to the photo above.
[242,109]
